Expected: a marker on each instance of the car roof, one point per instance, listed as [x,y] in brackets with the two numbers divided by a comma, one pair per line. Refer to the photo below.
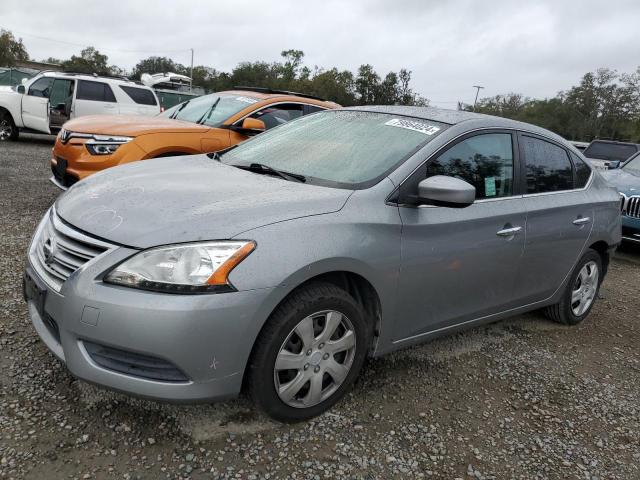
[271,96]
[454,117]
[85,76]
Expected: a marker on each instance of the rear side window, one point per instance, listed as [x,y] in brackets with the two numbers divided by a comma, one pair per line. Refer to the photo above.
[583,171]
[95,91]
[141,96]
[485,161]
[548,166]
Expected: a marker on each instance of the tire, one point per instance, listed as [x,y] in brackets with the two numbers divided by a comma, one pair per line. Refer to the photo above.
[585,283]
[8,129]
[298,334]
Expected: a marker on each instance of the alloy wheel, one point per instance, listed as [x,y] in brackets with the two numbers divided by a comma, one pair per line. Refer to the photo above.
[6,129]
[315,359]
[585,288]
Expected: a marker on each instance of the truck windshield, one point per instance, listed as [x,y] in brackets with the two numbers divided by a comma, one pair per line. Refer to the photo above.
[610,151]
[338,148]
[202,110]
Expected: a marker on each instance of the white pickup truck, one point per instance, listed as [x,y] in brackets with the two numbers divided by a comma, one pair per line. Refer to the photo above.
[45,102]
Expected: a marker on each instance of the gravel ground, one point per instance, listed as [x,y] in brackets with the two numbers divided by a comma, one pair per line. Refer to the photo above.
[523,398]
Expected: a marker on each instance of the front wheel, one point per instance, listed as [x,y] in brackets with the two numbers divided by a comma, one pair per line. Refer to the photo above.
[8,129]
[309,353]
[581,291]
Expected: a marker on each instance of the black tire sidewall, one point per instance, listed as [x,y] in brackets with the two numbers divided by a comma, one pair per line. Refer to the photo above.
[570,317]
[285,319]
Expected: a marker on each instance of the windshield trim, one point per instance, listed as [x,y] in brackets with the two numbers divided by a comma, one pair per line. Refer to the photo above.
[311,180]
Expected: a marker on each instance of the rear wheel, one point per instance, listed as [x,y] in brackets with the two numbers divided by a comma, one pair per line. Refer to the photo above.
[8,129]
[309,353]
[581,291]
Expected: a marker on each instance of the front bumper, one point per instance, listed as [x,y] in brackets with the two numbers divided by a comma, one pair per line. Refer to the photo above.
[208,338]
[71,162]
[631,229]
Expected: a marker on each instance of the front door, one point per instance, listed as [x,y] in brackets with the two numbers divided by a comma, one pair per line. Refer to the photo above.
[35,105]
[559,217]
[60,103]
[460,264]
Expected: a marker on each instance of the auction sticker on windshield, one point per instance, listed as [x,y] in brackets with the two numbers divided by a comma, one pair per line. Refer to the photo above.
[413,125]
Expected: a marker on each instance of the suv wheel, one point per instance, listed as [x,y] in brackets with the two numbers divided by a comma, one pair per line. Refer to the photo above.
[581,291]
[8,129]
[309,353]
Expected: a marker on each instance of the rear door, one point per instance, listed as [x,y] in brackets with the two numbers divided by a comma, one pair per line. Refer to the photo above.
[60,103]
[94,98]
[559,216]
[35,105]
[460,264]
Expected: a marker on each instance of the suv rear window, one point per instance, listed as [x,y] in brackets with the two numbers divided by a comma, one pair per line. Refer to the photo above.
[95,91]
[610,151]
[141,96]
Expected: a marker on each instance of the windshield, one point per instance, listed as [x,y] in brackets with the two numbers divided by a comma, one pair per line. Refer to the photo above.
[211,110]
[609,151]
[633,164]
[348,149]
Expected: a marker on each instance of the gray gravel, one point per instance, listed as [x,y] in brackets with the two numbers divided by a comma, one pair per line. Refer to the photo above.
[523,398]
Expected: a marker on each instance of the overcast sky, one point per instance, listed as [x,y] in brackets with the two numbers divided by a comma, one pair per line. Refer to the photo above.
[532,47]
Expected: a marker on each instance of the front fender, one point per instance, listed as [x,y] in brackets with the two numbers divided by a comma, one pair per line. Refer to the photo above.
[12,102]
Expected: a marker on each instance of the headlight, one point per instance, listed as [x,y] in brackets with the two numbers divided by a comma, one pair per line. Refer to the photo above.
[105,144]
[186,268]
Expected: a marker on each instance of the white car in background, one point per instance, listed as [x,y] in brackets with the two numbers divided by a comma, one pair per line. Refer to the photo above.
[45,102]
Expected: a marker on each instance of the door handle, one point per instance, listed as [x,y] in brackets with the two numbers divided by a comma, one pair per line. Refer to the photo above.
[581,221]
[509,232]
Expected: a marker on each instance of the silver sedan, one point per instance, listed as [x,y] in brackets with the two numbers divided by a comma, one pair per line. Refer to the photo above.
[280,265]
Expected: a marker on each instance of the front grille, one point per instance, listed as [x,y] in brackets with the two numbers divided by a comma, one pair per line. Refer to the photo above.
[58,250]
[134,364]
[631,207]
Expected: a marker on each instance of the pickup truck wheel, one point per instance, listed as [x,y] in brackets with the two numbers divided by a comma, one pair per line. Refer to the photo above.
[8,129]
[580,293]
[309,353]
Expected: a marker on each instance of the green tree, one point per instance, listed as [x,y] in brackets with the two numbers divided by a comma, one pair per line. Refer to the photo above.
[367,85]
[154,64]
[89,61]
[11,50]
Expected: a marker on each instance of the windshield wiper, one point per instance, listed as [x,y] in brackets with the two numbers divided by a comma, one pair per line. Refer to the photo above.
[266,169]
[175,114]
[209,111]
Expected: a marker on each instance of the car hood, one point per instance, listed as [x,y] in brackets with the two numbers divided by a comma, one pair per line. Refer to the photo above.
[625,181]
[131,125]
[185,199]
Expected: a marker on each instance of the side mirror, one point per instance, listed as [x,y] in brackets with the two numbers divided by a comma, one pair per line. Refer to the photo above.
[446,192]
[20,89]
[254,125]
[613,164]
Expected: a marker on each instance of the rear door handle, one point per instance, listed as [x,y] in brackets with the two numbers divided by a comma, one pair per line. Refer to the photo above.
[509,232]
[581,221]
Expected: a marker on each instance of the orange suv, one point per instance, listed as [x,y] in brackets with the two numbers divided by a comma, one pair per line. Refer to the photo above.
[201,125]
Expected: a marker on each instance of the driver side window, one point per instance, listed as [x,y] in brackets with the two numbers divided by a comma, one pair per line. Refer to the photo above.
[41,87]
[485,161]
[278,114]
